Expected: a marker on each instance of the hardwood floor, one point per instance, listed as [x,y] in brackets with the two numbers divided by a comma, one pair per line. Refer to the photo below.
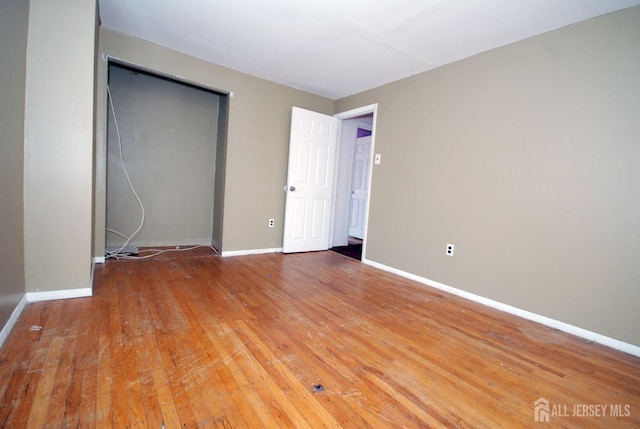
[196,340]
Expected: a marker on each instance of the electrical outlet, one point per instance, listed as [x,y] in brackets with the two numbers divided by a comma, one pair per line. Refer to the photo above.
[449,251]
[272,223]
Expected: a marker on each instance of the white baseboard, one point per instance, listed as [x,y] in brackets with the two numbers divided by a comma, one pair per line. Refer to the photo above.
[98,259]
[4,334]
[58,294]
[250,252]
[552,323]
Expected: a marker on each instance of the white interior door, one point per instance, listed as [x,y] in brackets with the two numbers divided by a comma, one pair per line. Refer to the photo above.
[309,188]
[360,186]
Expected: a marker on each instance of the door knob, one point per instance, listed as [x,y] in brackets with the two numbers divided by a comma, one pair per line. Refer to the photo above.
[292,188]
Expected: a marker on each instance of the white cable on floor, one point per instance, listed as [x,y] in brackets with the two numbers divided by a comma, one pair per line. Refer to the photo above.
[161,251]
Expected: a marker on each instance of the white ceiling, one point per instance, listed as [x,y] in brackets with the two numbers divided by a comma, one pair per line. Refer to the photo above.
[336,48]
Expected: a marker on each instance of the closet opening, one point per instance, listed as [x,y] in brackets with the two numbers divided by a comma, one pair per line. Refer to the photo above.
[166,150]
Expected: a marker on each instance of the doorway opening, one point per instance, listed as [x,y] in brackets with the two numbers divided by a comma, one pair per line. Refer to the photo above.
[165,161]
[353,181]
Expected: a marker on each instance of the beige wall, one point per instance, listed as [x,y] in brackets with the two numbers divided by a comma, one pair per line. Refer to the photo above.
[527,159]
[169,133]
[258,138]
[59,145]
[14,16]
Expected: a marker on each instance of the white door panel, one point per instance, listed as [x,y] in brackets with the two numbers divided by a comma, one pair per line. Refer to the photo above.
[360,186]
[312,148]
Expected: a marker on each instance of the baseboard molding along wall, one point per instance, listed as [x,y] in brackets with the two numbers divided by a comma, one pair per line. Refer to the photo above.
[552,323]
[250,252]
[4,334]
[58,294]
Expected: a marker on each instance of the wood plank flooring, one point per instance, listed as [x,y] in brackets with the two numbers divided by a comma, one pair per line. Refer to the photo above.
[195,340]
